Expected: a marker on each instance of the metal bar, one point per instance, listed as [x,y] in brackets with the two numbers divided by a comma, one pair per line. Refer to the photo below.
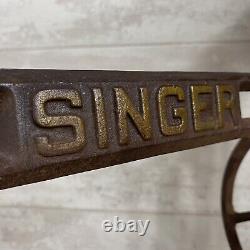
[56,123]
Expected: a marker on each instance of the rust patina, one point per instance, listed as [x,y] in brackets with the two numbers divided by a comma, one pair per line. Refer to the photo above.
[55,123]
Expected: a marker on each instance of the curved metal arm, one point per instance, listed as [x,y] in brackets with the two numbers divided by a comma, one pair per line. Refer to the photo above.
[230,217]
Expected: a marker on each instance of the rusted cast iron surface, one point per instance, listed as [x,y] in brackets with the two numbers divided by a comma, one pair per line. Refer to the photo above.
[56,123]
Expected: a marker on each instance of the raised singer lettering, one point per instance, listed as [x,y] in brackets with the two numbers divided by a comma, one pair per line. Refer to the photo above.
[44,120]
[118,114]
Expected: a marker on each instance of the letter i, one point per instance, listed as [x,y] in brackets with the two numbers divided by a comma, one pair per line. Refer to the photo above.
[100,119]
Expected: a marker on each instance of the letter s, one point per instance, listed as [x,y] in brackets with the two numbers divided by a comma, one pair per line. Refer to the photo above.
[46,148]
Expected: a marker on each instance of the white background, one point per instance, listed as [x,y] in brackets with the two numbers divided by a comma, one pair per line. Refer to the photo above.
[180,192]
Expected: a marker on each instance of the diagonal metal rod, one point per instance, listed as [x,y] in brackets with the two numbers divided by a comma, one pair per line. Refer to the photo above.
[242,217]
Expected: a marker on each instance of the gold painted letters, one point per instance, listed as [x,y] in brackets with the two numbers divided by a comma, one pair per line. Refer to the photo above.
[125,107]
[44,146]
[200,106]
[180,112]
